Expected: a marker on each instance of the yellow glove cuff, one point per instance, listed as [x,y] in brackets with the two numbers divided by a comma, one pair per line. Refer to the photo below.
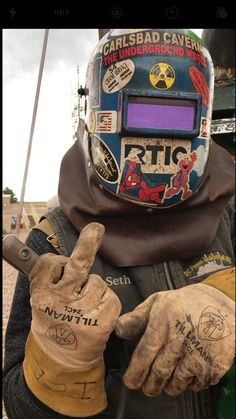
[224,281]
[69,391]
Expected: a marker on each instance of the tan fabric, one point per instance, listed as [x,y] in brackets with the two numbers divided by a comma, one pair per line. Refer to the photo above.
[188,340]
[134,236]
[223,281]
[69,391]
[48,229]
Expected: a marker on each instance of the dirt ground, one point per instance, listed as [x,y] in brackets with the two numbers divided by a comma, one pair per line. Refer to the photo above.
[9,280]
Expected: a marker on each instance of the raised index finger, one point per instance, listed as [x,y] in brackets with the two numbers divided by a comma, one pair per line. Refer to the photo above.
[83,255]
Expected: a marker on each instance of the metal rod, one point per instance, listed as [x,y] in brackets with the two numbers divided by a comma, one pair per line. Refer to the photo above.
[19,217]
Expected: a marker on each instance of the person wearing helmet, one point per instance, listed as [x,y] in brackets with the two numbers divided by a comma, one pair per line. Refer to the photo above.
[134,320]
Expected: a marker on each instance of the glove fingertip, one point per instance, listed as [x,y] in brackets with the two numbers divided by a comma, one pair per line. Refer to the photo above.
[129,383]
[120,329]
[128,328]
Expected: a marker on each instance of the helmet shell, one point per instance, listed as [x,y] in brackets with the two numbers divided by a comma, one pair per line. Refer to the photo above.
[150,94]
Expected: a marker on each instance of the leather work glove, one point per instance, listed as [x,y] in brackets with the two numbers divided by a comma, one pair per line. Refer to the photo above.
[187,341]
[73,315]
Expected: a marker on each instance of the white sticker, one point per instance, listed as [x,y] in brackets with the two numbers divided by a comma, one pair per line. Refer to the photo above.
[223,126]
[205,128]
[156,155]
[117,76]
[106,121]
[201,159]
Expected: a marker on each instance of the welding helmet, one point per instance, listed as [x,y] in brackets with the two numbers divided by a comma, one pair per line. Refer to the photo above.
[149,107]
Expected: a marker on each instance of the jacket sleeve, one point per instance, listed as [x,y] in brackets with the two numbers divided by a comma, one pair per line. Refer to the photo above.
[225,280]
[19,401]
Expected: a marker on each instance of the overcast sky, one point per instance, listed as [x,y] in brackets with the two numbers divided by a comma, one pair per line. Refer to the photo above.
[53,132]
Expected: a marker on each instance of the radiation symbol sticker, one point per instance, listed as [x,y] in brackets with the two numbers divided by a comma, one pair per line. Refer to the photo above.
[162,76]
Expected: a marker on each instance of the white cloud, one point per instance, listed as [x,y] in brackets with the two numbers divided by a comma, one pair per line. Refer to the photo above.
[53,129]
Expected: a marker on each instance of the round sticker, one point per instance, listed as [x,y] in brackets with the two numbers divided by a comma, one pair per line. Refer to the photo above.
[103,160]
[162,76]
[117,76]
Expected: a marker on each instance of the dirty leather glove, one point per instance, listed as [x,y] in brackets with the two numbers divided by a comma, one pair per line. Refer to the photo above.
[187,339]
[73,315]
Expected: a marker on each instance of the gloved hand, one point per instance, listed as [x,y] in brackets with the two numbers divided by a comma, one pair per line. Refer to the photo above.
[187,342]
[73,315]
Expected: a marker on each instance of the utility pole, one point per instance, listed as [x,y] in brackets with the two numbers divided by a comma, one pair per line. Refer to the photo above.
[19,217]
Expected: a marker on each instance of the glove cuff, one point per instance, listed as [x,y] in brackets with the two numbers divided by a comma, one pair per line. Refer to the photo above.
[224,281]
[69,391]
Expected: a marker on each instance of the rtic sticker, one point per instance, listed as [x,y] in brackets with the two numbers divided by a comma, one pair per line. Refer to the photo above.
[106,121]
[156,155]
[117,76]
[200,84]
[212,325]
[205,128]
[103,160]
[162,76]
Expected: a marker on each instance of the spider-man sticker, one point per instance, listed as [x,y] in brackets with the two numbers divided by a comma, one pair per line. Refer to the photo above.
[158,171]
[134,184]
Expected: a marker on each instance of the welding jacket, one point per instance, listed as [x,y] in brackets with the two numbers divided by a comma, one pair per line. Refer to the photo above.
[132,285]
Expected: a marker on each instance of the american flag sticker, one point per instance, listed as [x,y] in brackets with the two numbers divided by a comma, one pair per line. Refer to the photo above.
[106,121]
